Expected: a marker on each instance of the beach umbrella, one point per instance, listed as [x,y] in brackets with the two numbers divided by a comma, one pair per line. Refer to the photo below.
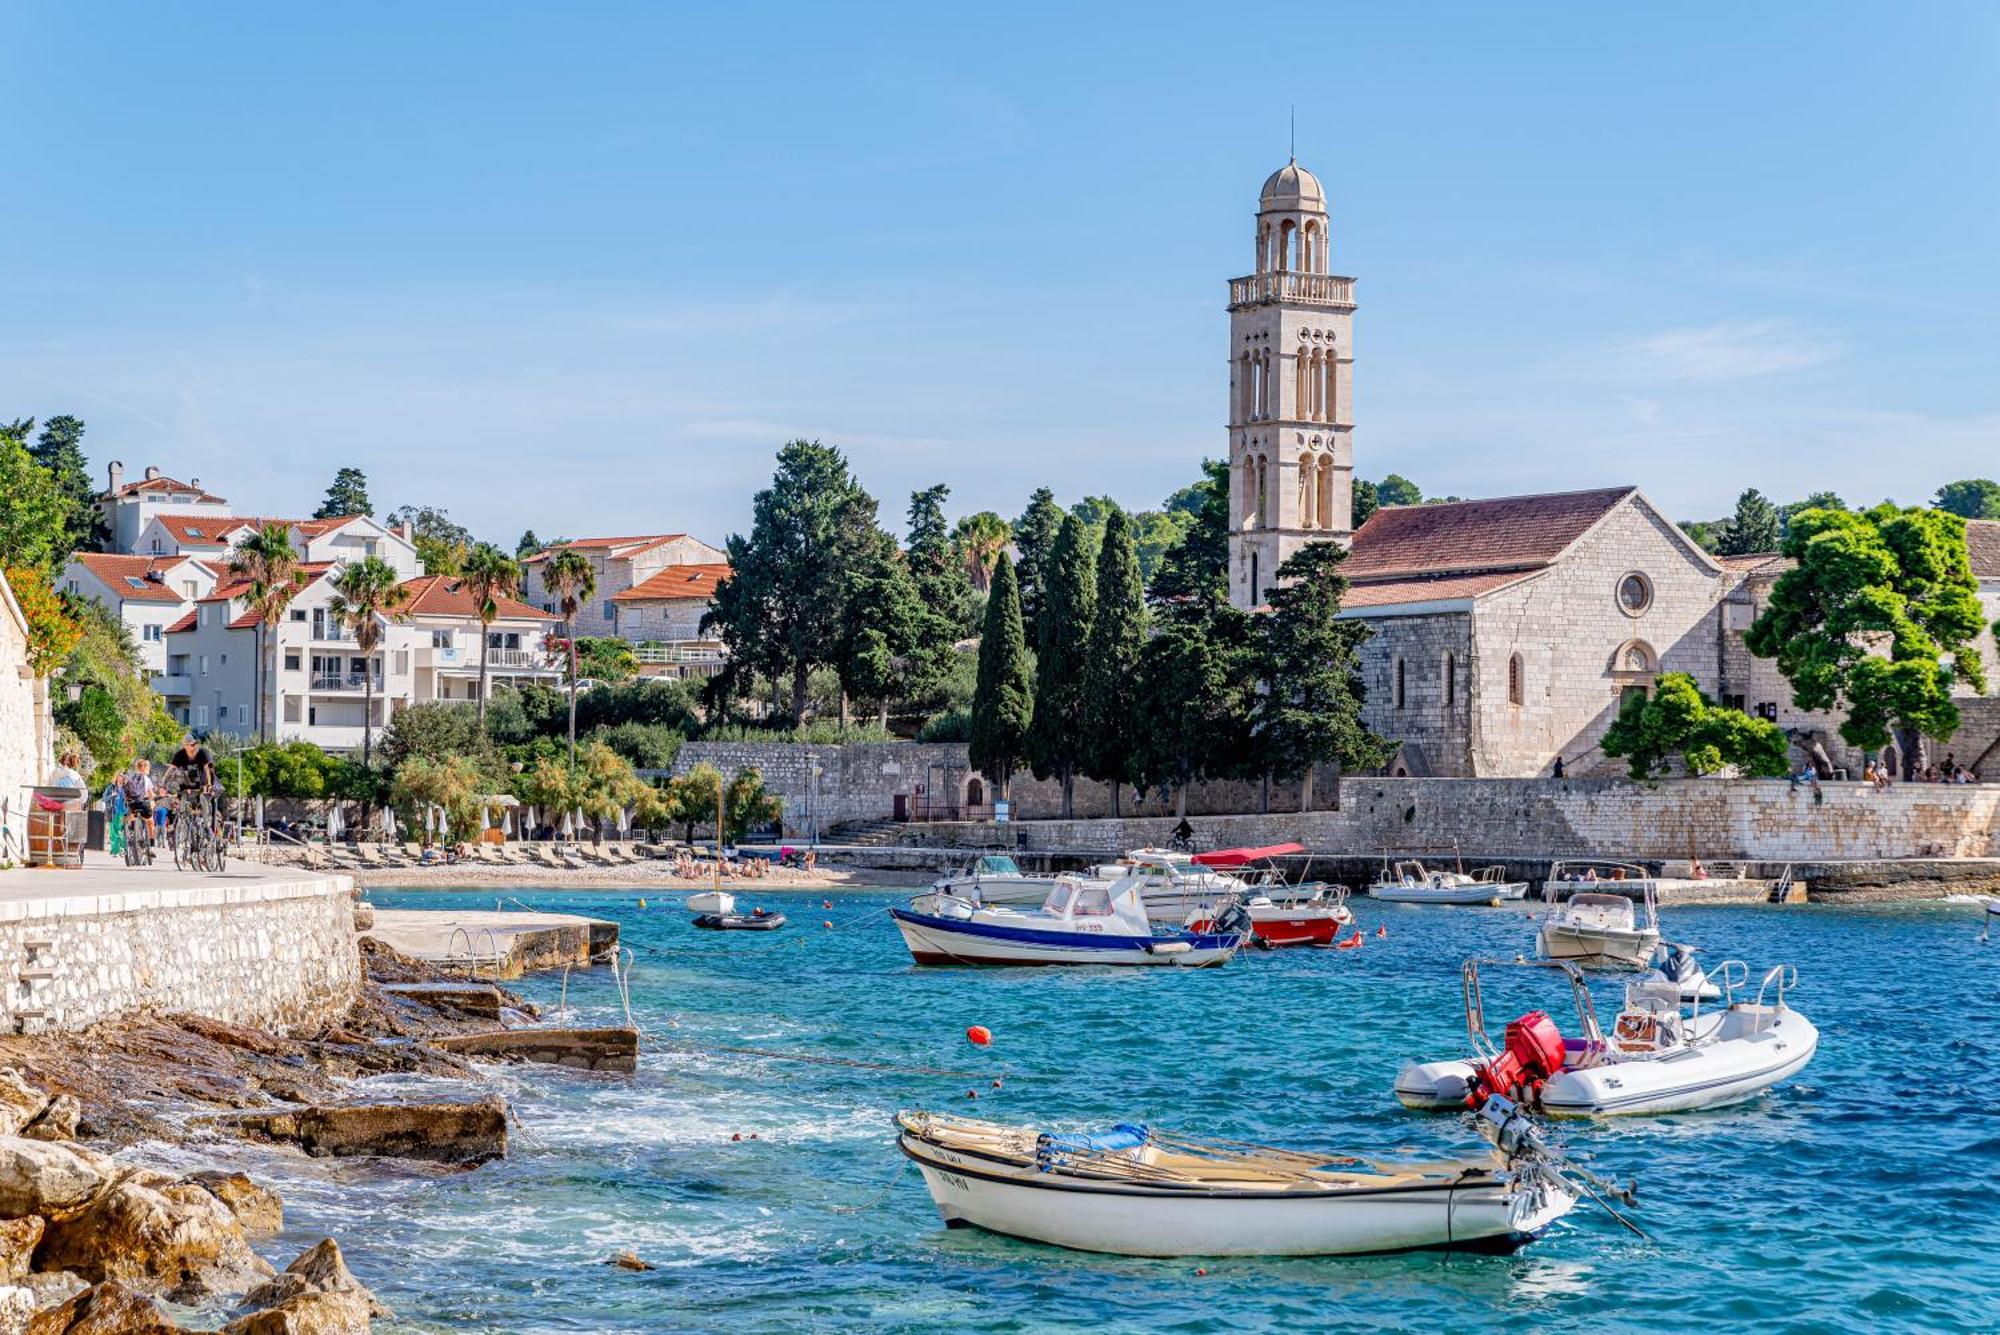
[568,831]
[624,822]
[260,811]
[333,822]
[388,823]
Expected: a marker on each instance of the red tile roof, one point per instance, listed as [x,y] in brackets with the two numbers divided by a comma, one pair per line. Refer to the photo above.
[442,595]
[158,484]
[1511,533]
[118,571]
[185,623]
[210,530]
[1390,592]
[1982,542]
[688,581]
[232,588]
[640,543]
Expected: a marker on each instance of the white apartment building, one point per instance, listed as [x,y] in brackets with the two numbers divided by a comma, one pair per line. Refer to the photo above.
[341,539]
[317,682]
[147,593]
[128,507]
[621,564]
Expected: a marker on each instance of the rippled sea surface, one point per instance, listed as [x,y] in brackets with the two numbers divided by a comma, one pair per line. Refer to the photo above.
[1865,1195]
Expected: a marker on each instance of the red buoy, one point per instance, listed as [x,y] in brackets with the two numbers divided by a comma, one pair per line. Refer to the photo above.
[979,1036]
[1381,932]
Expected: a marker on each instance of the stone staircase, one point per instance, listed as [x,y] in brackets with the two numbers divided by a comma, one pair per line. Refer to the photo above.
[866,833]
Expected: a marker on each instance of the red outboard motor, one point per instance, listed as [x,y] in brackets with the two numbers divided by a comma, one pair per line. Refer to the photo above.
[1534,1052]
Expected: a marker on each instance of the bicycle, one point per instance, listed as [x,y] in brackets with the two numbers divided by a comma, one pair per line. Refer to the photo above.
[139,851]
[197,834]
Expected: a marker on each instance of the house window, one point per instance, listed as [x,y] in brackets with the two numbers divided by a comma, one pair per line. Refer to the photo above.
[201,716]
[157,545]
[292,664]
[154,634]
[204,665]
[291,709]
[1516,691]
[440,639]
[298,614]
[1401,678]
[225,660]
[1450,681]
[610,612]
[1635,594]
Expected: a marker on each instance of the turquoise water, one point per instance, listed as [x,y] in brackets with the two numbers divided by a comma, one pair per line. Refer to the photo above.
[1860,1197]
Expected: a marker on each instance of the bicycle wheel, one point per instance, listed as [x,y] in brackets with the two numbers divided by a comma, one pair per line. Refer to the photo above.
[133,853]
[181,838]
[218,851]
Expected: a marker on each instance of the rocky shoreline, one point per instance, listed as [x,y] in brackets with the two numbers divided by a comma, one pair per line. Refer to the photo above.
[90,1245]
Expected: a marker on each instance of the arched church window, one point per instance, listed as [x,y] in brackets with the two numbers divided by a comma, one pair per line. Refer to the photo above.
[1326,491]
[1450,680]
[1516,689]
[1306,507]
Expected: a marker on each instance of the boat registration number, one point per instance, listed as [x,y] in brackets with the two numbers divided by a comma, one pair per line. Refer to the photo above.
[954,1180]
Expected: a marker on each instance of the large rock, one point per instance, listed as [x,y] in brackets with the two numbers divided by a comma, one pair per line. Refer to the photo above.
[17,1246]
[462,1133]
[317,1295]
[156,1233]
[259,1209]
[58,1121]
[37,1177]
[20,1102]
[107,1309]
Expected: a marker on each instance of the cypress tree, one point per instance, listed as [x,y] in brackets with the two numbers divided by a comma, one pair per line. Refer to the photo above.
[1310,712]
[1003,702]
[1035,538]
[1069,607]
[1115,638]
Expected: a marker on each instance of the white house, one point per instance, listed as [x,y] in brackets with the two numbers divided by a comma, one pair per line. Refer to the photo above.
[316,682]
[343,538]
[147,593]
[27,734]
[621,564]
[128,507]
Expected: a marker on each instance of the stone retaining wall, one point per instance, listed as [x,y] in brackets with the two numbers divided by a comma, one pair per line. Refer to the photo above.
[269,952]
[1766,820]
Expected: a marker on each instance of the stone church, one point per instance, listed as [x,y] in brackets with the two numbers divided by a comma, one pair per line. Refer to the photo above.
[1507,631]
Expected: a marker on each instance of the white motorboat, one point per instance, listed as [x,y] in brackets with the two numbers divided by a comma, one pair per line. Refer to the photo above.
[1175,886]
[1134,1191]
[995,878]
[1602,931]
[1677,964]
[1410,882]
[1657,1060]
[1081,922]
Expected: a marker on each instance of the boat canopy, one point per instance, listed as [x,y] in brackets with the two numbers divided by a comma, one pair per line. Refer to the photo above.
[1236,857]
[997,864]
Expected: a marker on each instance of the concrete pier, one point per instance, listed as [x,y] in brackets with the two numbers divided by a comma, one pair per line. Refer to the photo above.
[495,944]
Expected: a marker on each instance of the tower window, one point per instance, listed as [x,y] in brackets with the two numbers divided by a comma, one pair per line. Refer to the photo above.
[1254,600]
[1450,681]
[1516,691]
[1401,682]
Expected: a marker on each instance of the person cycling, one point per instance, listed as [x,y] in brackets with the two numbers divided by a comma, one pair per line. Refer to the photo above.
[195,763]
[140,794]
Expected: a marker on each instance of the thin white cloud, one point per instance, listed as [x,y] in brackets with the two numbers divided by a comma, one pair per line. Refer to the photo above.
[1732,350]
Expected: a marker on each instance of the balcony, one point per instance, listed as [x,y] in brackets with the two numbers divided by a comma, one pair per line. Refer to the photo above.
[176,685]
[512,662]
[672,653]
[1294,289]
[342,682]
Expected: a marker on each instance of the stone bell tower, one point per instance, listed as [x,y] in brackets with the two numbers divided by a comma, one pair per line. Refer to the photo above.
[1291,371]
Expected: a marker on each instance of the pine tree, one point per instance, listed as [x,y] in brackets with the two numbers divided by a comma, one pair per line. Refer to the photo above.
[1195,571]
[1755,527]
[348,495]
[528,546]
[934,563]
[891,646]
[1003,703]
[1035,538]
[1190,702]
[1115,638]
[1069,608]
[1310,660]
[59,449]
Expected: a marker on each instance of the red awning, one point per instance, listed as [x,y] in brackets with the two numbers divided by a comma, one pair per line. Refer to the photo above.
[1236,857]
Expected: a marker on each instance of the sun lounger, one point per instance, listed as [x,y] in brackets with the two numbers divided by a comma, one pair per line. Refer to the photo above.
[546,855]
[490,854]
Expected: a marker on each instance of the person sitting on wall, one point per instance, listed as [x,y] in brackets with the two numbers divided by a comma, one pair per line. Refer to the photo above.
[1561,773]
[1696,871]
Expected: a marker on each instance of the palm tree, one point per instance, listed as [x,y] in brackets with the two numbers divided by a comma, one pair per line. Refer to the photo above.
[980,538]
[571,580]
[365,595]
[264,560]
[489,575]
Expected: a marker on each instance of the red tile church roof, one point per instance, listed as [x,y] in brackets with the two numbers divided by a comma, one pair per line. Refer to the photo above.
[1511,533]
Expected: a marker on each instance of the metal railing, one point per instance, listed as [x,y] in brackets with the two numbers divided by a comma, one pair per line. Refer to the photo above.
[342,681]
[680,651]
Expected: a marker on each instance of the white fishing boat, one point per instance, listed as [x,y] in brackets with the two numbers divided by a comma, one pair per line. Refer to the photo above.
[1132,1190]
[1602,931]
[1176,886]
[1081,922]
[1410,882]
[995,878]
[1656,1060]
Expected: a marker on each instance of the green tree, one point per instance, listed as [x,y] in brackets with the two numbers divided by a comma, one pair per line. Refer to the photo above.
[645,745]
[1877,617]
[571,580]
[782,610]
[530,545]
[59,449]
[488,576]
[264,562]
[436,730]
[890,644]
[1034,538]
[1396,489]
[695,797]
[936,568]
[1154,534]
[746,805]
[1974,498]
[348,495]
[117,715]
[1310,710]
[1194,572]
[1755,527]
[1068,612]
[451,784]
[1189,702]
[979,539]
[647,700]
[366,595]
[427,521]
[1366,501]
[1003,706]
[1116,634]
[36,516]
[604,658]
[1678,719]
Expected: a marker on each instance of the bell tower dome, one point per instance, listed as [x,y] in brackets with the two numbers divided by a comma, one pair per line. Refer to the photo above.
[1291,366]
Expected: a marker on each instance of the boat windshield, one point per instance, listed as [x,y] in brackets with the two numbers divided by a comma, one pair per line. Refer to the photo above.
[997,864]
[1057,904]
[1092,901]
[1601,910]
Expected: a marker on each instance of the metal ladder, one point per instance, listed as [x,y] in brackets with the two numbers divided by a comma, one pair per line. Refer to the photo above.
[36,971]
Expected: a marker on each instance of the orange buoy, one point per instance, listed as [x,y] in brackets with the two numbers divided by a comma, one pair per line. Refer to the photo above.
[827,925]
[979,1036]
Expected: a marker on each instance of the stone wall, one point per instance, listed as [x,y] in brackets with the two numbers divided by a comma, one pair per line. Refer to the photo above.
[267,951]
[1764,820]
[26,734]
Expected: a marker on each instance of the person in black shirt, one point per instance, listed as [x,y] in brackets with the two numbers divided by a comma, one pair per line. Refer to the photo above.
[196,765]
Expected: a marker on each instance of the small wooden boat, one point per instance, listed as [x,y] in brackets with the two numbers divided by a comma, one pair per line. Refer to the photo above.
[1132,1190]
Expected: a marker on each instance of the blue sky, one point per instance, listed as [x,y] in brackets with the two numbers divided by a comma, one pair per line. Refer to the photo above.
[583,268]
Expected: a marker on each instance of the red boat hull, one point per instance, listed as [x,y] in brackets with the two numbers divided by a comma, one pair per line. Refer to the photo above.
[1285,928]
